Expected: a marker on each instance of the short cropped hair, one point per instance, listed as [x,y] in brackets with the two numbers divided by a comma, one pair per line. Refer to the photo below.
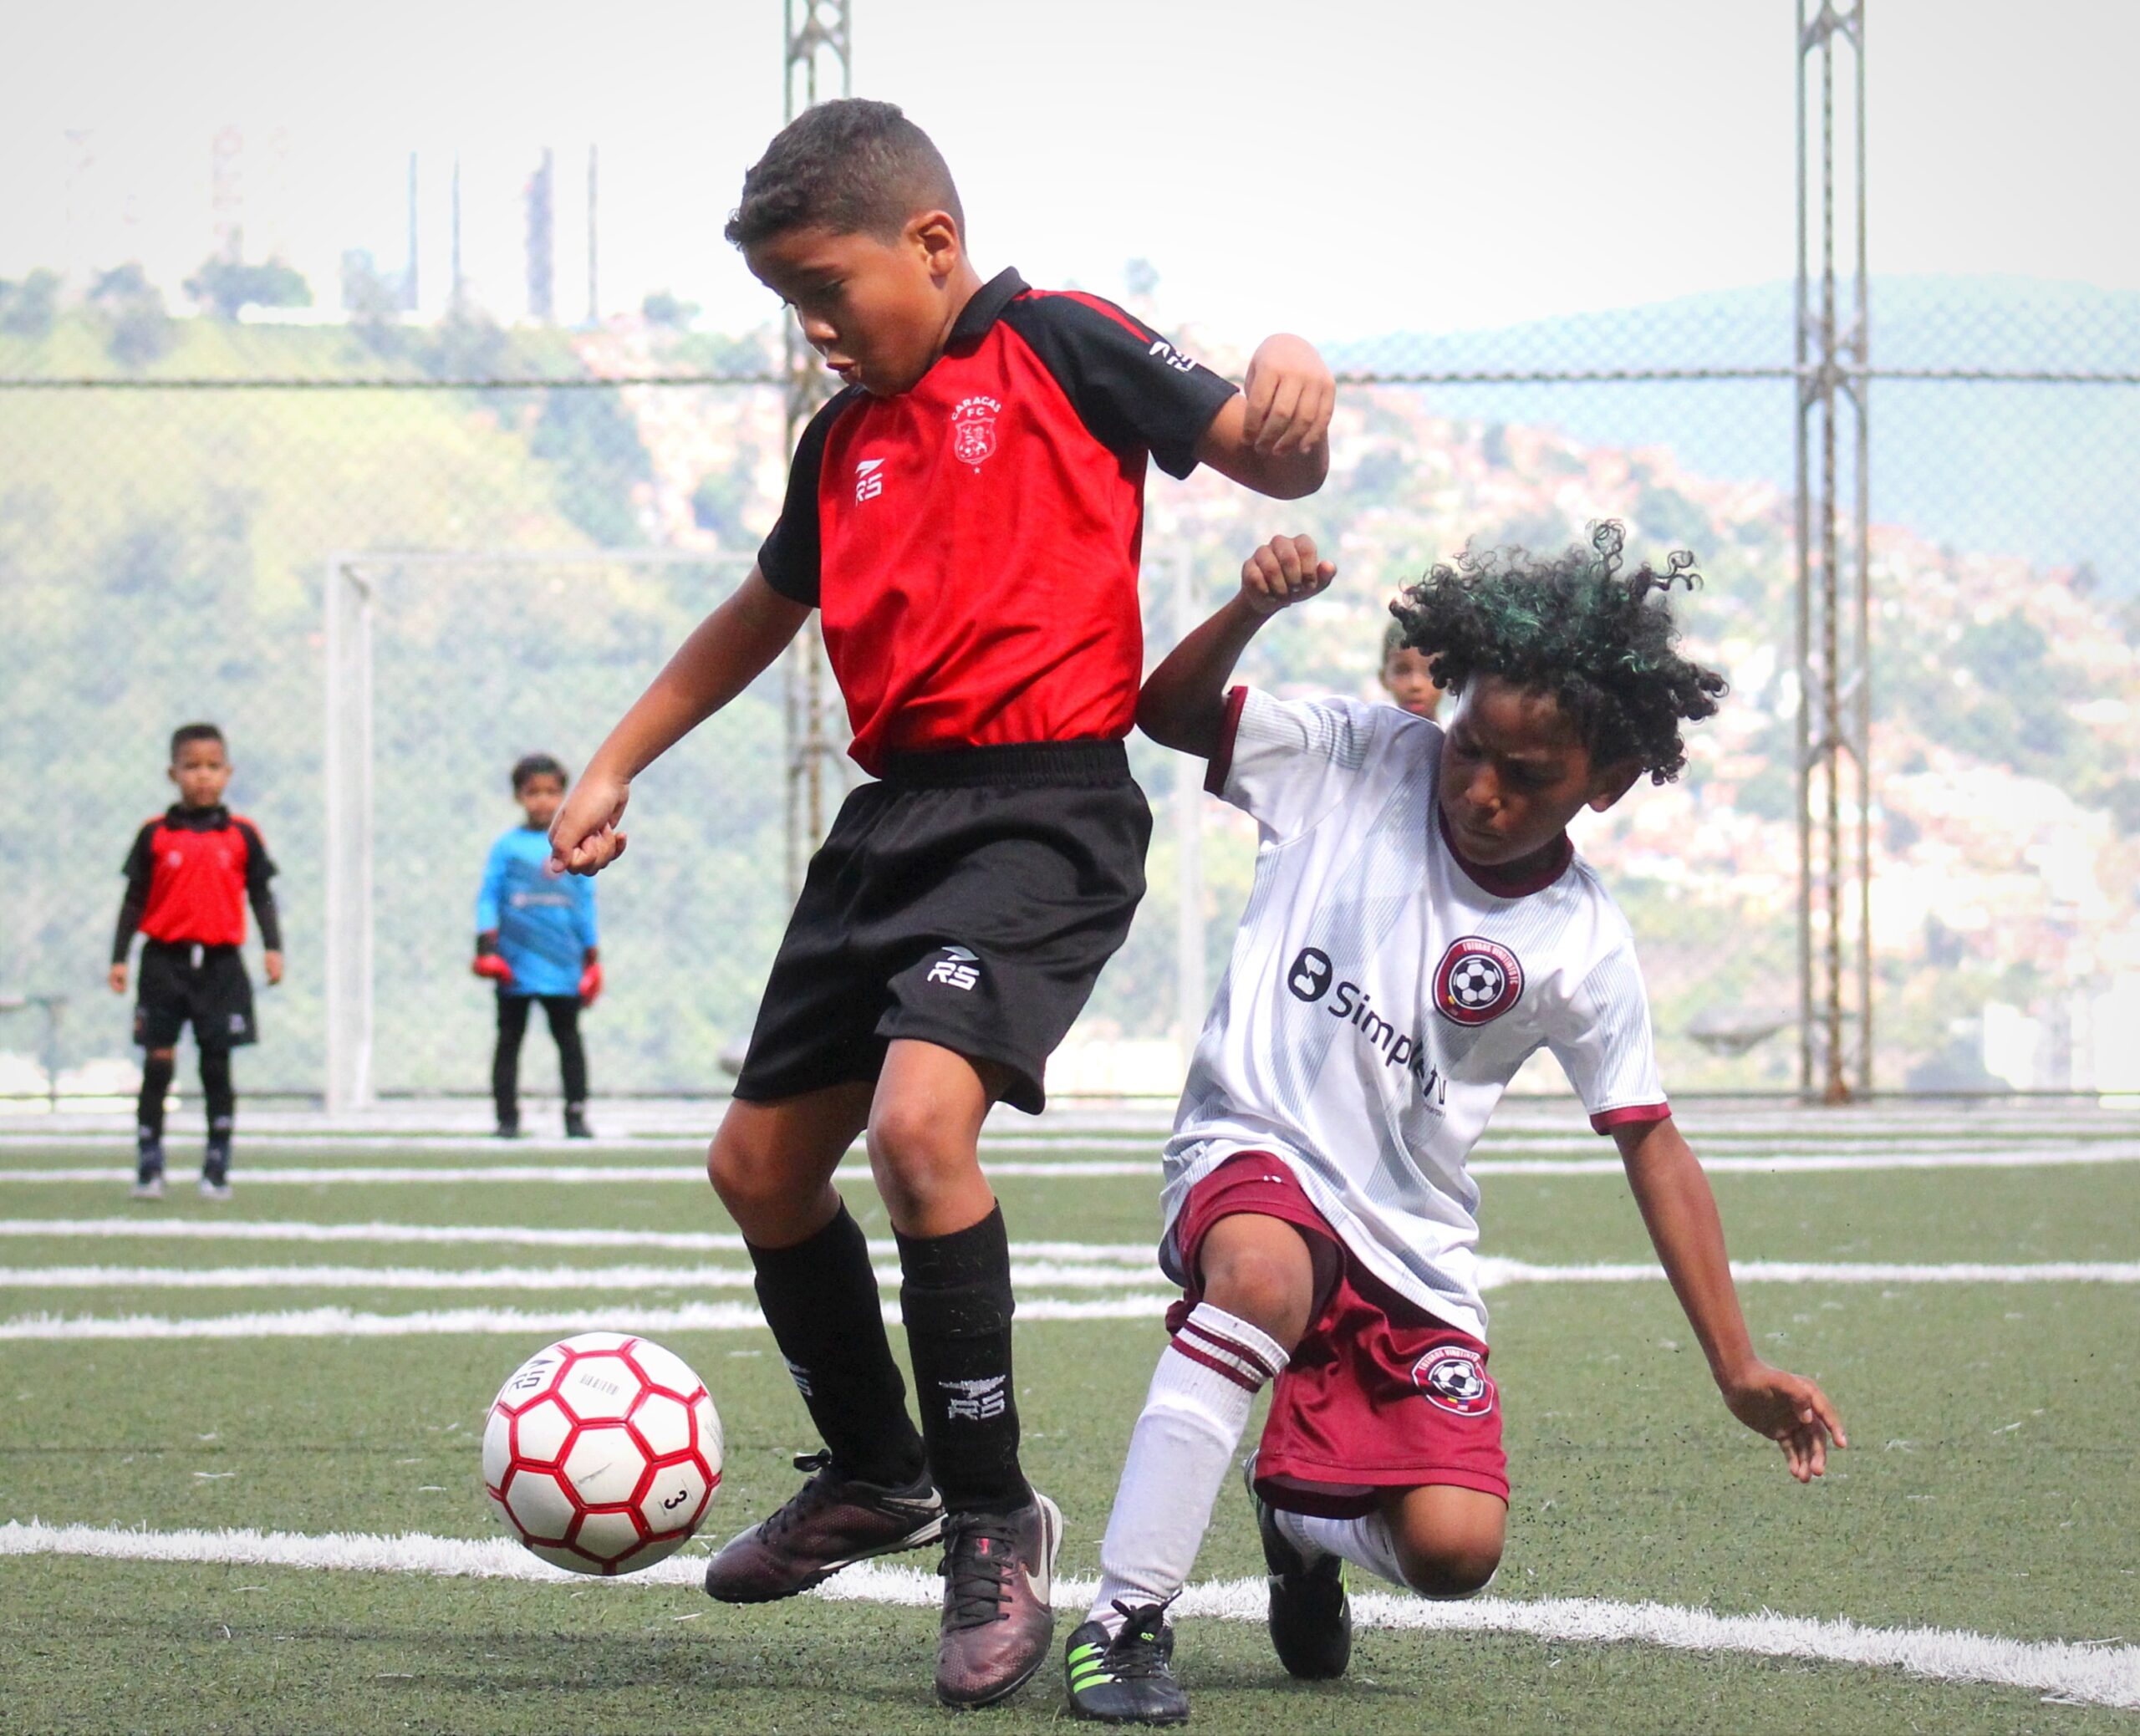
[186,732]
[1600,642]
[537,764]
[850,165]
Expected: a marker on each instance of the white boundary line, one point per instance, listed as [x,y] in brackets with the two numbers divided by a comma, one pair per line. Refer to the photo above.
[695,1241]
[1101,1273]
[2101,1152]
[2102,1675]
[538,1323]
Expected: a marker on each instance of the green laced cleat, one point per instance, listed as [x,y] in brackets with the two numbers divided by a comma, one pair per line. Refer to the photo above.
[1126,1678]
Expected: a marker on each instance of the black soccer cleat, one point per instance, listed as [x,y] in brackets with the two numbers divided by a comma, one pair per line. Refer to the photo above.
[576,1127]
[509,1126]
[216,1173]
[1310,1616]
[148,1171]
[1128,1679]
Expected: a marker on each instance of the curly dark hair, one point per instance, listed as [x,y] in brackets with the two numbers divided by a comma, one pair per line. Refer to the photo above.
[1601,642]
[851,166]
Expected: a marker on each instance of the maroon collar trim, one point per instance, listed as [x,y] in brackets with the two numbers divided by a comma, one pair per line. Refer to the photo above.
[1516,880]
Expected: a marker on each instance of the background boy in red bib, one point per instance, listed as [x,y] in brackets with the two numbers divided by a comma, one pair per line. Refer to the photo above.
[189,877]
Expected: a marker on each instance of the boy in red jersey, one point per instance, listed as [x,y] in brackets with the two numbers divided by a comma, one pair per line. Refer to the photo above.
[967,514]
[188,877]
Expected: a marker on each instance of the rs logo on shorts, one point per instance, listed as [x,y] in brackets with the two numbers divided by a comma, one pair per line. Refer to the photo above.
[1476,981]
[1453,1376]
[958,968]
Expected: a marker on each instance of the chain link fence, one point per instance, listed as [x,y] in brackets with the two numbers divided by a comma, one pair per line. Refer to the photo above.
[175,497]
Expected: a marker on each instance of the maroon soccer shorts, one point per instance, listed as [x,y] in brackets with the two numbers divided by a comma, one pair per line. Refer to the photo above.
[1379,1395]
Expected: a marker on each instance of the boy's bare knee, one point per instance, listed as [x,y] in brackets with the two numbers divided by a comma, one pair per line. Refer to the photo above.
[165,1055]
[1271,1293]
[755,1185]
[1442,1569]
[916,1156]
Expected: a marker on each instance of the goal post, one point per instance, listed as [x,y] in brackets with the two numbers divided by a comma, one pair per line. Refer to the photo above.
[356,587]
[369,595]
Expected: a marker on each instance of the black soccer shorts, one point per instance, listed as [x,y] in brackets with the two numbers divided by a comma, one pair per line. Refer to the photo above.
[970,900]
[204,986]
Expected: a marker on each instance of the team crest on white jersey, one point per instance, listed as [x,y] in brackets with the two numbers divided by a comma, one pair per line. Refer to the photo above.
[1476,981]
[973,429]
[1453,1376]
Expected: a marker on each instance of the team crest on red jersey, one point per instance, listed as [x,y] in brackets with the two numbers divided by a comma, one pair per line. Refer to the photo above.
[1453,1376]
[1476,981]
[973,429]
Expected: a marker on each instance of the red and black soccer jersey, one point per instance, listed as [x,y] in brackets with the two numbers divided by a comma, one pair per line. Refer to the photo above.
[188,877]
[973,543]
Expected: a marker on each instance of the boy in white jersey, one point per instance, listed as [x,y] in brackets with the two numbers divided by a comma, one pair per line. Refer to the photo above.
[1419,925]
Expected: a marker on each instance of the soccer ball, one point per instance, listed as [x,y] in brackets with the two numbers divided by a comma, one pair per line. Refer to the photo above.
[602,1452]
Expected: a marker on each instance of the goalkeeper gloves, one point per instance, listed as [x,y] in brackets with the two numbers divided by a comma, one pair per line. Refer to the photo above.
[590,980]
[489,961]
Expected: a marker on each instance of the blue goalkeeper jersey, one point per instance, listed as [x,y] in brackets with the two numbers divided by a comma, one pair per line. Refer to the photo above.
[545,922]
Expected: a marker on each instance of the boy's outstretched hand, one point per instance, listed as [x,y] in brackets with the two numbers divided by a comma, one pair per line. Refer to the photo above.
[1792,1411]
[583,837]
[1283,571]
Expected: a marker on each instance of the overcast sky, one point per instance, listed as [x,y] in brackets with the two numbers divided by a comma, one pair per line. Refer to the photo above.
[1341,169]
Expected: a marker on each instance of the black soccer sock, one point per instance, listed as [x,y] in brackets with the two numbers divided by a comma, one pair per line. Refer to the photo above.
[505,1059]
[563,1012]
[215,1092]
[957,1303]
[155,1086]
[820,1299]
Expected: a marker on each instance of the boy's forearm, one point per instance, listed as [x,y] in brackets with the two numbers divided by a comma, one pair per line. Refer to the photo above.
[724,654]
[1679,1212]
[1182,704]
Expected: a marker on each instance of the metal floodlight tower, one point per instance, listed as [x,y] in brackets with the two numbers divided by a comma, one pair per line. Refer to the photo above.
[817,37]
[1834,620]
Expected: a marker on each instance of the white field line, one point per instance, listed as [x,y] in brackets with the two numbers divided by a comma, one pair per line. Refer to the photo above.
[1494,1273]
[2098,1674]
[1127,1304]
[2098,1153]
[521,1175]
[692,1241]
[1057,1274]
[346,1323]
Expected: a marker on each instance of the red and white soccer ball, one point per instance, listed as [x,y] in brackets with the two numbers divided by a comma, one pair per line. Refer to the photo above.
[602,1452]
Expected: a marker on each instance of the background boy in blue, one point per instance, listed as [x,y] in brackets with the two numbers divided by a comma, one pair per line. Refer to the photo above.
[535,938]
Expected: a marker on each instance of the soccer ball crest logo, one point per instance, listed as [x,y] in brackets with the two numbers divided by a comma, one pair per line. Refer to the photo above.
[1476,981]
[1453,1376]
[602,1452]
[973,429]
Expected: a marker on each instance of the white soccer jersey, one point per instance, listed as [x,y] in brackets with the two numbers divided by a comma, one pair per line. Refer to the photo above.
[1379,999]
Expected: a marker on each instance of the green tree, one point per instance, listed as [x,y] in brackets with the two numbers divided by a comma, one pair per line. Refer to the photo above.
[664,309]
[28,309]
[137,330]
[227,287]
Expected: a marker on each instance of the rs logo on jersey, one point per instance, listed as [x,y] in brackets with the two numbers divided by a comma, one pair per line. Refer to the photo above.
[958,968]
[868,480]
[1172,357]
[1476,981]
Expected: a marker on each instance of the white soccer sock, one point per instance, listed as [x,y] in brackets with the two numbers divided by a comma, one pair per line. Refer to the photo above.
[1366,1542]
[1194,1412]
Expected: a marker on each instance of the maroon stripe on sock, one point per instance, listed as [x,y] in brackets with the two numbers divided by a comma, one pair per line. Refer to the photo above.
[1230,1345]
[1214,1364]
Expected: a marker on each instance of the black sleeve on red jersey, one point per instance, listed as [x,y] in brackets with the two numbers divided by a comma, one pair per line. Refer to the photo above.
[1134,390]
[140,867]
[790,556]
[259,870]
